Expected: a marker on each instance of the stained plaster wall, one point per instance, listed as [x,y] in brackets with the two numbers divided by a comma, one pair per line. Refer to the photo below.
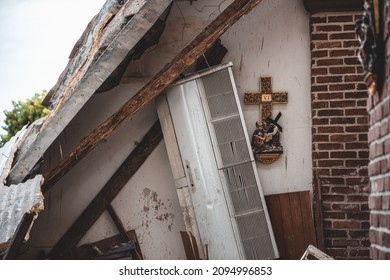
[272,40]
[148,203]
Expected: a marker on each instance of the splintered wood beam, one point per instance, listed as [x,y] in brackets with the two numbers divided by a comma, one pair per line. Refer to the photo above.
[119,36]
[153,88]
[109,191]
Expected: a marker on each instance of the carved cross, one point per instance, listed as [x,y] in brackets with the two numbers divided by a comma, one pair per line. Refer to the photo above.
[265,98]
[275,121]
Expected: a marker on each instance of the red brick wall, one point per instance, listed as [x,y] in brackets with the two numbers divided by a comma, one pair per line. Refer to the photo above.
[340,126]
[378,107]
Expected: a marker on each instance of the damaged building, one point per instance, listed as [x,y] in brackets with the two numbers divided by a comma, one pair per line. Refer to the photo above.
[206,130]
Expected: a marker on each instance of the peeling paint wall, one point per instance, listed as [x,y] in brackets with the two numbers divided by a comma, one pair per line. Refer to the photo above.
[150,208]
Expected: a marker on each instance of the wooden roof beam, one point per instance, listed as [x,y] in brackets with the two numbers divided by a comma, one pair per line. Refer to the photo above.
[85,83]
[152,89]
[109,191]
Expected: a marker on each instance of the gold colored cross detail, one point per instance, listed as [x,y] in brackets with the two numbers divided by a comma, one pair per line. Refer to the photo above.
[265,98]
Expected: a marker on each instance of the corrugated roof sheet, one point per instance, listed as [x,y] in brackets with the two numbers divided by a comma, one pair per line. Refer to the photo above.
[16,200]
[7,153]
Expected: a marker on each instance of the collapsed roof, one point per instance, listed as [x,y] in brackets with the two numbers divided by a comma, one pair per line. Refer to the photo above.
[118,34]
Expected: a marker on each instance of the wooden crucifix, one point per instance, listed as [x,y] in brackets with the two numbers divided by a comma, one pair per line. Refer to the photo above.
[266,138]
[265,98]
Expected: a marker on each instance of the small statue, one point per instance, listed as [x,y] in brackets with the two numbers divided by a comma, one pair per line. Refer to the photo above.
[266,145]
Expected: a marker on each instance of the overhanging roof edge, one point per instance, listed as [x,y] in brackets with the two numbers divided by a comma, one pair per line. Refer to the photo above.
[131,34]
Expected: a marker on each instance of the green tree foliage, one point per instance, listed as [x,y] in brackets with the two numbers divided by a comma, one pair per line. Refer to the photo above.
[24,113]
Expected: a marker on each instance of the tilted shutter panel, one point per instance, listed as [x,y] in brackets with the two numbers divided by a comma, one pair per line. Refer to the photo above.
[236,165]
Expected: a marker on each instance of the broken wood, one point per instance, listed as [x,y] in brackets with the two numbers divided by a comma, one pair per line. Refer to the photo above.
[121,34]
[152,89]
[91,250]
[313,253]
[109,191]
[318,214]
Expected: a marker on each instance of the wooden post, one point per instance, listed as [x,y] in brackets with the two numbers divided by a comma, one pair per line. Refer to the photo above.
[152,89]
[118,223]
[126,235]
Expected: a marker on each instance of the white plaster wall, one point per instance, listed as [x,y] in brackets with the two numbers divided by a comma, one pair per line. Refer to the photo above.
[272,40]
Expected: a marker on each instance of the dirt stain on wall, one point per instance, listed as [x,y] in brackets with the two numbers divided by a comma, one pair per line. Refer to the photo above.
[156,210]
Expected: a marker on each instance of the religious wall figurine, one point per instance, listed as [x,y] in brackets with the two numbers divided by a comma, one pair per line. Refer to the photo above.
[265,142]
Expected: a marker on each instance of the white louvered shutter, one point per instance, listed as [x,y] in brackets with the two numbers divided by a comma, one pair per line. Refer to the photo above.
[215,91]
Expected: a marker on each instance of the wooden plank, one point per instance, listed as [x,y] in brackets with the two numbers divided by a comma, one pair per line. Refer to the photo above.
[178,171]
[79,92]
[87,251]
[318,213]
[307,217]
[285,208]
[292,222]
[117,221]
[190,246]
[298,224]
[20,234]
[138,253]
[109,191]
[273,205]
[107,244]
[168,130]
[152,89]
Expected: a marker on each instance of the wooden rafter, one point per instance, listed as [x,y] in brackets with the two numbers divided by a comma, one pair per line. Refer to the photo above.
[110,190]
[118,33]
[152,89]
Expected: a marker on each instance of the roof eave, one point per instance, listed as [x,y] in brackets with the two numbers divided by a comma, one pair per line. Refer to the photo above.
[74,96]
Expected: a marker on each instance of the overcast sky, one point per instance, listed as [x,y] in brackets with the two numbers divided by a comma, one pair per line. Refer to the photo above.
[36,37]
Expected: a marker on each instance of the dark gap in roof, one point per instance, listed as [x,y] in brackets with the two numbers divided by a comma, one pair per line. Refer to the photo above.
[150,39]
